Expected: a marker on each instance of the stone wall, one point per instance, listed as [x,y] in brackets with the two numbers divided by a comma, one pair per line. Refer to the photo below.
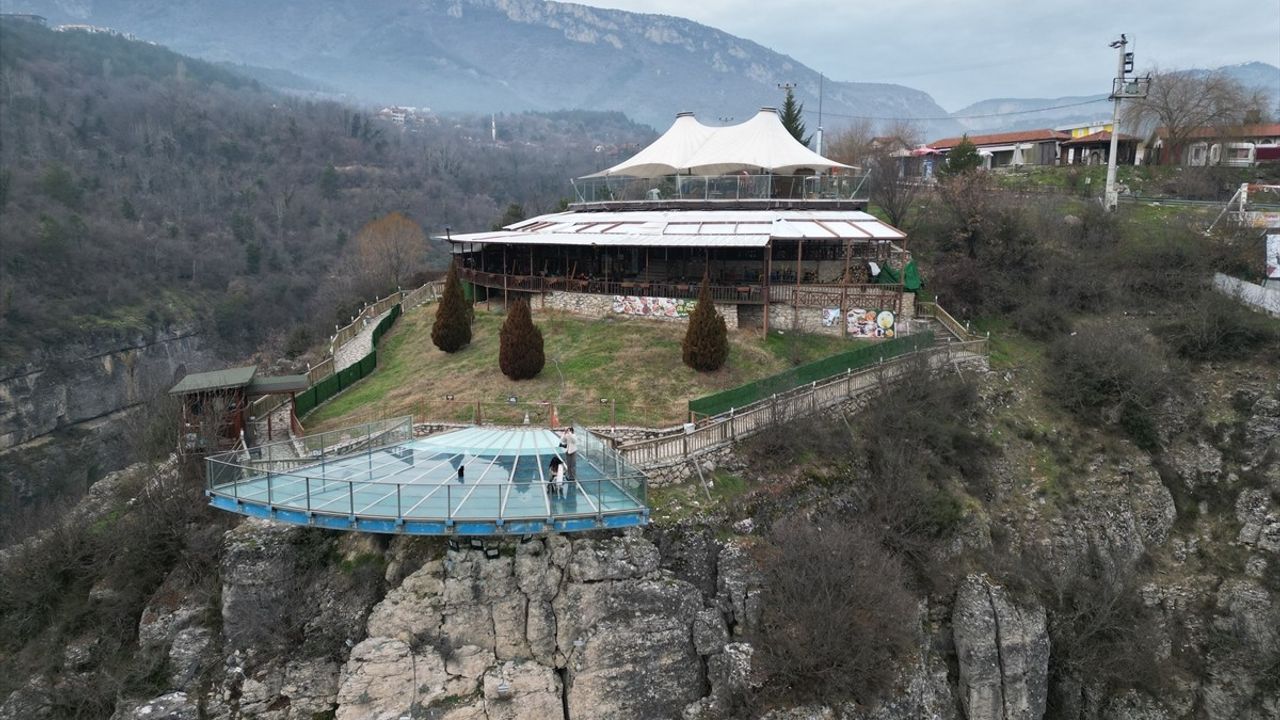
[600,306]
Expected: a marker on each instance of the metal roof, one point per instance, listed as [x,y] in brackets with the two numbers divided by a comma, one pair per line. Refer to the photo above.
[687,228]
[215,380]
[278,384]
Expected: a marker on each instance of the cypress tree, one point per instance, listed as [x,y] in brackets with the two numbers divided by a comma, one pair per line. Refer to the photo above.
[452,329]
[793,118]
[520,354]
[706,342]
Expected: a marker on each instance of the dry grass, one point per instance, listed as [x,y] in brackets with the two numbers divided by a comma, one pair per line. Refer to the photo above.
[632,362]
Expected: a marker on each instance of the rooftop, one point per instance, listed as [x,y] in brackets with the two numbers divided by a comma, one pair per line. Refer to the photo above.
[1006,138]
[687,228]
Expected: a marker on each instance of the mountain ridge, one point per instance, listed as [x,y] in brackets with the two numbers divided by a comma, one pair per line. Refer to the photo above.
[498,55]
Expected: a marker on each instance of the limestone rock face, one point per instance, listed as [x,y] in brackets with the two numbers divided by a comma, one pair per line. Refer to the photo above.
[258,566]
[1259,518]
[592,622]
[1127,511]
[738,589]
[1003,650]
[174,706]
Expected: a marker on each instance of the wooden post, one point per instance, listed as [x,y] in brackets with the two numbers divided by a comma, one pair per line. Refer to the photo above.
[795,296]
[768,268]
[844,293]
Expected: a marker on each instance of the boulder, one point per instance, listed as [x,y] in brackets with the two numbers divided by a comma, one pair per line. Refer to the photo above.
[615,558]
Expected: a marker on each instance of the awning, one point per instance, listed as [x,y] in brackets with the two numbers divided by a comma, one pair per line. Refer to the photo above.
[689,147]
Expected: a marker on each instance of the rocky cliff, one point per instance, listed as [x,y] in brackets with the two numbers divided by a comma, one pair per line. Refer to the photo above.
[301,623]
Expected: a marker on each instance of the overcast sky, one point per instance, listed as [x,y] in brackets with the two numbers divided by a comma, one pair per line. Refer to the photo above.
[961,51]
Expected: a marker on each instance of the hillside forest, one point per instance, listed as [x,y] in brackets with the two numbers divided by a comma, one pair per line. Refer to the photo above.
[141,189]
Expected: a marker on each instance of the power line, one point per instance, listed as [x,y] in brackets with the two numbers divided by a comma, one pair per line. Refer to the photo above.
[973,117]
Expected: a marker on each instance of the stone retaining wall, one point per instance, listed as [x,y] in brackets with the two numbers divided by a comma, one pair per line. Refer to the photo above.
[600,306]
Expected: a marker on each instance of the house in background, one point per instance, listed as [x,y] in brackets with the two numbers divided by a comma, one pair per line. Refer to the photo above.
[1240,147]
[1095,149]
[1012,149]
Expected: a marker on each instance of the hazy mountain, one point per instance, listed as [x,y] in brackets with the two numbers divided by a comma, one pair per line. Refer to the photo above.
[487,55]
[1029,113]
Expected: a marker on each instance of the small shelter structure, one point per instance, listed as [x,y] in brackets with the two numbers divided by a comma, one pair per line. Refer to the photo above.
[216,406]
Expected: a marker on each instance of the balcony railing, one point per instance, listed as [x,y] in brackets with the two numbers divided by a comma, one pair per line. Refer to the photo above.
[806,295]
[722,187]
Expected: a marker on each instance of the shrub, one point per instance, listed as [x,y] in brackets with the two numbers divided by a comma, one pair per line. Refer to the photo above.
[835,614]
[1106,373]
[452,329]
[1041,319]
[706,342]
[521,353]
[1169,266]
[1216,327]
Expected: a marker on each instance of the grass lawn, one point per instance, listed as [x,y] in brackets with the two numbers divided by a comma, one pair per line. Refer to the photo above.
[632,362]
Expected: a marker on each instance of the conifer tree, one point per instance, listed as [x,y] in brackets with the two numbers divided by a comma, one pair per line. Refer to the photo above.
[706,342]
[520,354]
[792,118]
[452,329]
[961,159]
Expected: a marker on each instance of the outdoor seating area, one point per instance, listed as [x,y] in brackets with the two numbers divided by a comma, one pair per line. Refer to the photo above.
[473,481]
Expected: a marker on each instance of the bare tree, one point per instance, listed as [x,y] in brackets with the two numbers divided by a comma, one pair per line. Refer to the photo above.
[850,145]
[889,190]
[1180,103]
[389,250]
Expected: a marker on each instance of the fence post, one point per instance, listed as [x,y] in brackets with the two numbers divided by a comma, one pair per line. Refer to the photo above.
[399,514]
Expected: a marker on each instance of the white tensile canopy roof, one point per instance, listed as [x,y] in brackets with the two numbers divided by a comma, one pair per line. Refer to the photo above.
[689,147]
[686,228]
[682,140]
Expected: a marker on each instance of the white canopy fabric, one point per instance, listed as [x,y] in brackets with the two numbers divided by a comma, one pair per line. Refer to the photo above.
[681,140]
[689,147]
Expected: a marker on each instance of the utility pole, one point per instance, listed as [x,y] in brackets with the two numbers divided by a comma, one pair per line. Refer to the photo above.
[820,79]
[1120,88]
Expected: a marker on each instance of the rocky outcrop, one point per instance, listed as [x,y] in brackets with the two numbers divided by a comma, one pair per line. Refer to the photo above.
[1003,652]
[92,380]
[588,624]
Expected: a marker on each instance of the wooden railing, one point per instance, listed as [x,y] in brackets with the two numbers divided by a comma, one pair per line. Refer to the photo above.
[715,432]
[870,295]
[958,329]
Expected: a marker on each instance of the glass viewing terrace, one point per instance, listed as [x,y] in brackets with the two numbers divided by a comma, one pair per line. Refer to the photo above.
[477,481]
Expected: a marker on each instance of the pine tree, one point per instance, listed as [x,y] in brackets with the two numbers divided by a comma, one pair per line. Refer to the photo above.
[452,329]
[520,354]
[792,118]
[961,159]
[706,342]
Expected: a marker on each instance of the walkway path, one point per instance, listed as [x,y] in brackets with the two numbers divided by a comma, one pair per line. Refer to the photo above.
[354,350]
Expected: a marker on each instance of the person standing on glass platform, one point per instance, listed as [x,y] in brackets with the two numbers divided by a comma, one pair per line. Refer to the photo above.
[570,445]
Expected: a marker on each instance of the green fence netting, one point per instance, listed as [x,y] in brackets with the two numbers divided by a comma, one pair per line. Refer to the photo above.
[309,399]
[861,357]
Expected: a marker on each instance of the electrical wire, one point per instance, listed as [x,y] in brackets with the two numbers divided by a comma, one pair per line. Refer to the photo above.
[966,117]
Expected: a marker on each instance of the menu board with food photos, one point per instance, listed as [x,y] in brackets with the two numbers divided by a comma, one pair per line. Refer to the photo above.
[871,323]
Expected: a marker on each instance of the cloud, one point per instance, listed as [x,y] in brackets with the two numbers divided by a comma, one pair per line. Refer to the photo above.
[961,51]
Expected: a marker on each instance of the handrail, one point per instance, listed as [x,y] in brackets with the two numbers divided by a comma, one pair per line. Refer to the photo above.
[720,187]
[806,295]
[304,484]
